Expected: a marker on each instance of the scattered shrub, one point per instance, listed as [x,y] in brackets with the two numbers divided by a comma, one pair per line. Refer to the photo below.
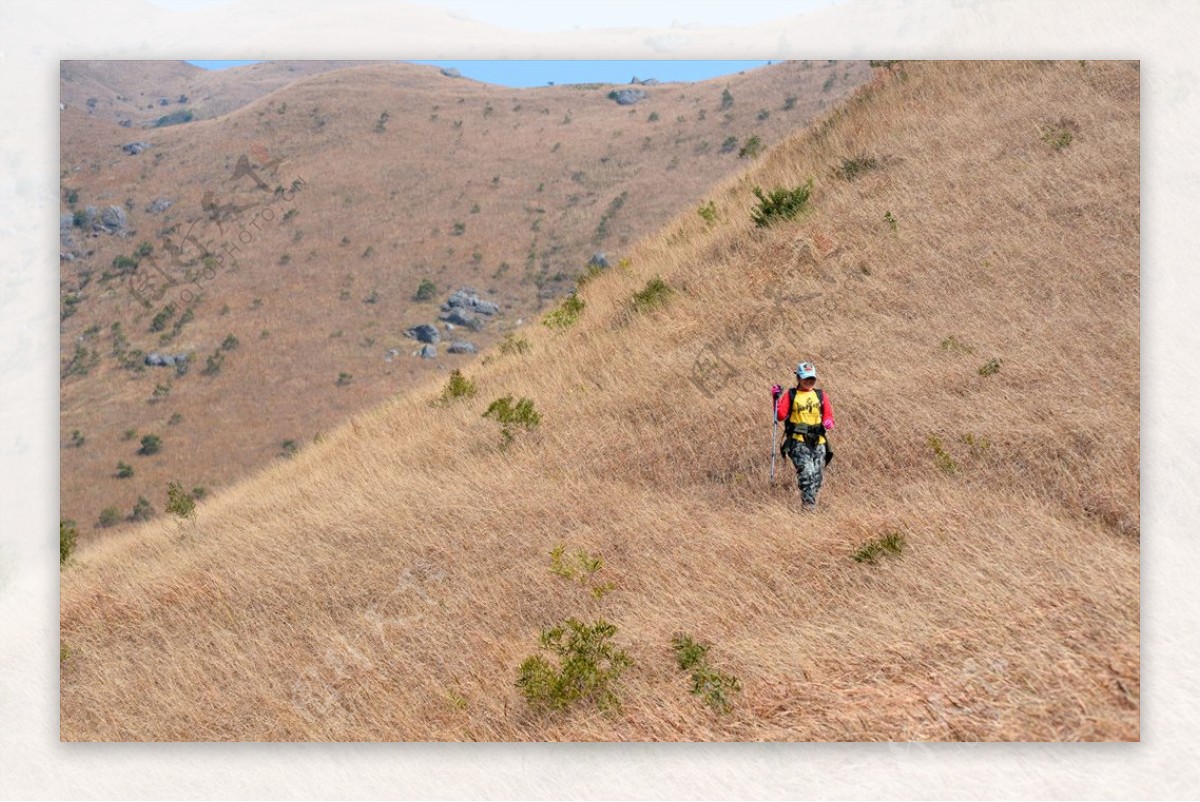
[124,470]
[581,567]
[729,144]
[143,510]
[426,290]
[726,99]
[872,550]
[952,343]
[653,117]
[942,457]
[512,344]
[175,419]
[289,449]
[751,149]
[230,343]
[588,667]
[343,379]
[780,204]
[511,416]
[567,313]
[890,219]
[990,368]
[457,386]
[654,294]
[180,503]
[1058,135]
[109,516]
[77,439]
[67,535]
[854,166]
[789,103]
[214,363]
[151,444]
[715,687]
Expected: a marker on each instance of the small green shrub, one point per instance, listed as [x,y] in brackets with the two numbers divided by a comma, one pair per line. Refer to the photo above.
[230,343]
[109,516]
[159,322]
[151,444]
[180,503]
[77,439]
[726,99]
[459,229]
[789,103]
[589,666]
[952,343]
[511,416]
[854,166]
[143,510]
[751,149]
[892,543]
[512,344]
[175,419]
[67,535]
[780,204]
[291,213]
[124,470]
[426,291]
[942,457]
[214,363]
[990,368]
[589,273]
[288,449]
[979,446]
[715,687]
[567,313]
[654,294]
[729,145]
[457,386]
[1059,135]
[130,434]
[890,219]
[708,213]
[343,379]
[580,567]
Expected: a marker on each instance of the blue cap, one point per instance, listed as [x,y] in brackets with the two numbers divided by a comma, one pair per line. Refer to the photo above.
[806,370]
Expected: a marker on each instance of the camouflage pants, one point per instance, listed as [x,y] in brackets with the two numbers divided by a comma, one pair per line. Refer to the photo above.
[810,463]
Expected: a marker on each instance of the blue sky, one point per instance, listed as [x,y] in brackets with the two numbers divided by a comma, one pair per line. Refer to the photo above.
[540,73]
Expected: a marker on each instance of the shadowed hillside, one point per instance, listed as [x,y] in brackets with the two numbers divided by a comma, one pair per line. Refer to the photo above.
[965,277]
[286,248]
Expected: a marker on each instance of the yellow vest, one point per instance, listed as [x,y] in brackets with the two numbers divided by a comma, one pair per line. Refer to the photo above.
[806,411]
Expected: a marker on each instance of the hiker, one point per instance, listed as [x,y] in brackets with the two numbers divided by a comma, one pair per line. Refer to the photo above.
[808,414]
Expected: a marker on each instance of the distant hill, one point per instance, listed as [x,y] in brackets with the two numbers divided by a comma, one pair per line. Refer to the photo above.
[404,178]
[965,276]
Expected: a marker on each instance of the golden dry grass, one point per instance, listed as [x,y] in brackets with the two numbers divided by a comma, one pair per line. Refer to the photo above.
[386,583]
[376,216]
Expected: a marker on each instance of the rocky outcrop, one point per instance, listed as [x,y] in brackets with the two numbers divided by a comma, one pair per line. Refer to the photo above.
[424,333]
[134,148]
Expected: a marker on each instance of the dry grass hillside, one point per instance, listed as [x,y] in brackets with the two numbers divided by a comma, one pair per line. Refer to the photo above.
[966,280]
[377,178]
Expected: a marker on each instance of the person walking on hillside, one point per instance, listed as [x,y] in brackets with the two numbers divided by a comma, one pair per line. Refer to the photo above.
[808,415]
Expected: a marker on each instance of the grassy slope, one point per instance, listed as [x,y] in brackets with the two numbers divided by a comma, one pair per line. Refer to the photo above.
[386,583]
[376,216]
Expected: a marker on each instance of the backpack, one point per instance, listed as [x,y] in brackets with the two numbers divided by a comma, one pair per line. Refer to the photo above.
[789,428]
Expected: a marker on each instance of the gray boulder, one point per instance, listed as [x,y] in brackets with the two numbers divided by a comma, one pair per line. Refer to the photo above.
[627,97]
[467,299]
[428,351]
[450,72]
[65,221]
[159,205]
[391,354]
[91,217]
[134,148]
[458,318]
[424,333]
[112,219]
[462,347]
[157,360]
[599,259]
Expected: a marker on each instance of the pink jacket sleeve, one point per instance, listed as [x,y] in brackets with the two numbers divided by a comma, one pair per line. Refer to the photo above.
[783,406]
[827,411]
